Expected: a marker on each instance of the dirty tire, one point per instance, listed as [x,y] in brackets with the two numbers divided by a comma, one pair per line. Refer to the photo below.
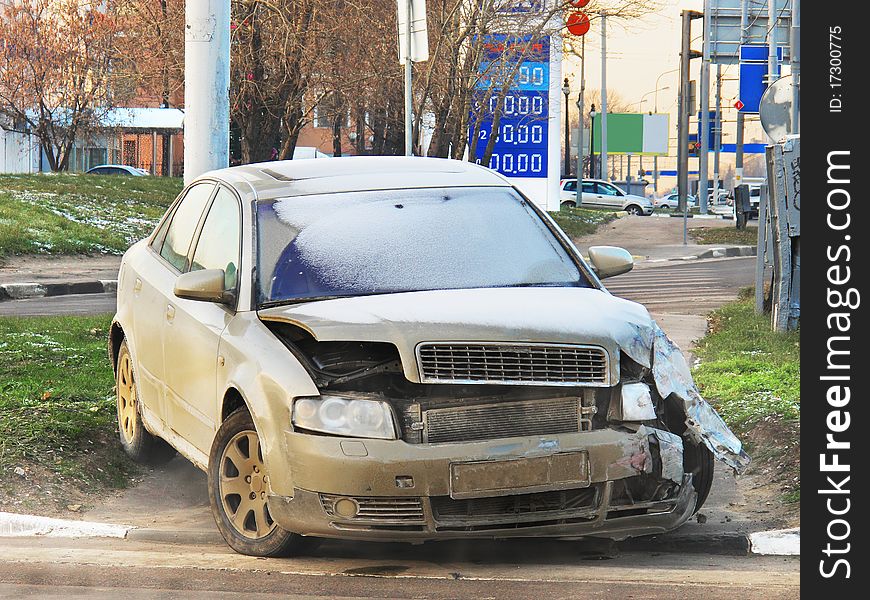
[236,473]
[138,443]
[634,210]
[698,460]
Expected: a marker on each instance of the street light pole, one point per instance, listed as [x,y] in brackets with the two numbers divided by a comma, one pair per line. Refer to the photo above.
[578,200]
[566,90]
[593,174]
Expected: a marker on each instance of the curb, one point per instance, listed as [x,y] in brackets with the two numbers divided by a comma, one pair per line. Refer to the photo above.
[24,291]
[731,252]
[725,544]
[16,525]
[779,542]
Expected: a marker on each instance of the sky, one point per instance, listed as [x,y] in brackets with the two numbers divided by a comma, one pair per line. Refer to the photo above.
[643,51]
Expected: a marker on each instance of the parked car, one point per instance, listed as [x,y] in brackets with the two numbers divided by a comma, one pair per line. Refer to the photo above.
[602,194]
[117,170]
[391,348]
[672,202]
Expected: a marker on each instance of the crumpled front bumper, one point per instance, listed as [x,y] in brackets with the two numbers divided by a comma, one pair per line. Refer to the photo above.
[531,494]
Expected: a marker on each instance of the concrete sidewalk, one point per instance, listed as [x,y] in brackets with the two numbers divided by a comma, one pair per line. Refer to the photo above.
[656,240]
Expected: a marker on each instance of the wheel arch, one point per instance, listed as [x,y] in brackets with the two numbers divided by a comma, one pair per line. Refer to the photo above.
[232,401]
[116,336]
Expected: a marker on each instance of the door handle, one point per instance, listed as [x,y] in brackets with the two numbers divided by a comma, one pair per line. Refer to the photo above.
[170,312]
[137,286]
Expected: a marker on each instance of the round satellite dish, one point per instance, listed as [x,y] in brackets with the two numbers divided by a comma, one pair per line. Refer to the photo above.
[775,109]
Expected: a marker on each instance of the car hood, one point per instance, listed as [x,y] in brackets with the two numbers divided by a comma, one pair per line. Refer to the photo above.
[535,314]
[639,199]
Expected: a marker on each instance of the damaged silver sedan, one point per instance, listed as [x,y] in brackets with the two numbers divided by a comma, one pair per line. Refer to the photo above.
[402,349]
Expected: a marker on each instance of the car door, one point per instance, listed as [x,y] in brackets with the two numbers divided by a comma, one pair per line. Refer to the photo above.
[609,196]
[152,276]
[569,191]
[590,195]
[192,328]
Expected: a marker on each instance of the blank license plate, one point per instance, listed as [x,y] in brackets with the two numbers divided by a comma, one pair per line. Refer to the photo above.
[520,475]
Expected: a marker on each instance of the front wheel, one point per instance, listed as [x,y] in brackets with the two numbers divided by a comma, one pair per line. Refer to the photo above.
[634,210]
[699,461]
[238,484]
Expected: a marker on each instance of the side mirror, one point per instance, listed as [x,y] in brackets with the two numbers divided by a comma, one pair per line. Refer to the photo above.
[206,286]
[609,261]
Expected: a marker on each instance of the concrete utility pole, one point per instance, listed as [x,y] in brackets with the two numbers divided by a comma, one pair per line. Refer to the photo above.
[604,174]
[795,44]
[704,128]
[717,133]
[686,56]
[741,117]
[772,58]
[409,64]
[206,87]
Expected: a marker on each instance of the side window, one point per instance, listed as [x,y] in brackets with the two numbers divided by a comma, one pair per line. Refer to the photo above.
[571,186]
[607,190]
[218,245]
[588,187]
[183,225]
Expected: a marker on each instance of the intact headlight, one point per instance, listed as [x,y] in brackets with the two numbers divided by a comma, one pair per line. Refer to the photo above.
[353,417]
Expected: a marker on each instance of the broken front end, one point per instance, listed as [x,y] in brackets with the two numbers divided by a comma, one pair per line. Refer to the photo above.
[498,440]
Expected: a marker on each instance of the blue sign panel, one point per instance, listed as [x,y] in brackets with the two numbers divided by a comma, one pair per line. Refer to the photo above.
[753,72]
[521,139]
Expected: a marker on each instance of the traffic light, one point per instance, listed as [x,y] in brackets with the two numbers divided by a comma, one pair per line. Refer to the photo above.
[694,149]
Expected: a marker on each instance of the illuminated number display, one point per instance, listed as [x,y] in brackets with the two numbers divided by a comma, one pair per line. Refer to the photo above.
[522,137]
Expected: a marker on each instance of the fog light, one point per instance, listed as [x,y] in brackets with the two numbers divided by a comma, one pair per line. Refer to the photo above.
[345,507]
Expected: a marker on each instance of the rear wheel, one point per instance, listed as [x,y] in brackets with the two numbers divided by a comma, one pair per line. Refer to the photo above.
[137,442]
[237,488]
[569,204]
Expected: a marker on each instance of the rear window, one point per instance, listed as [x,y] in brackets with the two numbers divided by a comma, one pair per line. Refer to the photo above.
[363,243]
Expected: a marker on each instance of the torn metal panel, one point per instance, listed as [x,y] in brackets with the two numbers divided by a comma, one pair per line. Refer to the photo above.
[652,348]
[670,451]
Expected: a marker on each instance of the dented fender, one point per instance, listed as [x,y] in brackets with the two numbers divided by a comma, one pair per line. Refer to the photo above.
[652,348]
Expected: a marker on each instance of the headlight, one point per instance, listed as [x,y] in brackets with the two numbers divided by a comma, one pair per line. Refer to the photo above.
[353,417]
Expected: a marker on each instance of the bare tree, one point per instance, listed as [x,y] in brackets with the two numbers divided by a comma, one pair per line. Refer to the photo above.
[57,75]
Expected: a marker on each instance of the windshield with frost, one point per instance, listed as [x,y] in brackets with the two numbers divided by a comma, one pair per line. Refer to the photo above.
[360,243]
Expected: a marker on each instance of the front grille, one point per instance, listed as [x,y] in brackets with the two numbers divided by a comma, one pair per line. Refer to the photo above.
[517,364]
[541,506]
[378,509]
[506,419]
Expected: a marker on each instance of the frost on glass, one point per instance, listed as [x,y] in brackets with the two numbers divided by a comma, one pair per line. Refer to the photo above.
[401,240]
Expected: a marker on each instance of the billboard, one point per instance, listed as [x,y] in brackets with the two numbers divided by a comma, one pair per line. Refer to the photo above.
[634,133]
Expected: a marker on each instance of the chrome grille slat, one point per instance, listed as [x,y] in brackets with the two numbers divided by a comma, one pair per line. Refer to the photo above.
[505,419]
[523,364]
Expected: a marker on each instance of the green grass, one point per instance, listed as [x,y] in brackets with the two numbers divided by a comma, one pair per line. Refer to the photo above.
[57,409]
[749,372]
[79,214]
[725,235]
[577,222]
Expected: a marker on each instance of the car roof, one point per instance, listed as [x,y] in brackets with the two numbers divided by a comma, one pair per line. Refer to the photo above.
[280,179]
[112,166]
